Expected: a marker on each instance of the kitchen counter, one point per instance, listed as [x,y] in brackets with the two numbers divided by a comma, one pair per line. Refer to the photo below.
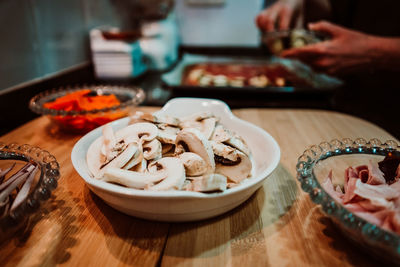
[277,226]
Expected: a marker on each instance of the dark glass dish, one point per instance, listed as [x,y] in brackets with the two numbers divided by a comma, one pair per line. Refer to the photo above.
[90,119]
[43,184]
[312,168]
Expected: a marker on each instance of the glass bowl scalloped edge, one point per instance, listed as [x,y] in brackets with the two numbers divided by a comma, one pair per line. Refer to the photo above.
[360,231]
[47,182]
[36,106]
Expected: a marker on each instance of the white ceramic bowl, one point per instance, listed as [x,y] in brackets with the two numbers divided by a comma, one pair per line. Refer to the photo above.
[184,205]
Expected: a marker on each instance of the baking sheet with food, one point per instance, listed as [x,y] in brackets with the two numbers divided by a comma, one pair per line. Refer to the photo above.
[196,72]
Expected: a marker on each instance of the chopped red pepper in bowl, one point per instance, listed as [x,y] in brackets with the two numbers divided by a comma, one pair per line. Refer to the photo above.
[82,109]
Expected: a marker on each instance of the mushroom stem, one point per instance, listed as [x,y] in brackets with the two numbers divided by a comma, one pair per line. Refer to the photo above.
[132,179]
[209,183]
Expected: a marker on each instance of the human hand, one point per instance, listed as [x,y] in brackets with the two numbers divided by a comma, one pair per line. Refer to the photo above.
[346,52]
[282,14]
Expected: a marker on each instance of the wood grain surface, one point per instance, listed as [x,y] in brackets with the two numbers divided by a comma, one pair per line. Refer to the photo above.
[277,226]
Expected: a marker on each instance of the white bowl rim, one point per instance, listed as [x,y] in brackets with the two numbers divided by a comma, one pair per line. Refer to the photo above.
[134,193]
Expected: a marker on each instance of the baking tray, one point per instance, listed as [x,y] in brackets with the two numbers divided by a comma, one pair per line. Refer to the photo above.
[312,82]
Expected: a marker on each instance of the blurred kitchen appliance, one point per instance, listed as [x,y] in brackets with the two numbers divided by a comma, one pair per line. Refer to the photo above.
[132,49]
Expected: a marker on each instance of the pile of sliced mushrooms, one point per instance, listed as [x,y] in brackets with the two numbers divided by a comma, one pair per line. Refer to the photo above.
[160,152]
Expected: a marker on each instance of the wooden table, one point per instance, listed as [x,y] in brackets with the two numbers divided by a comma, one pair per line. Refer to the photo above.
[277,226]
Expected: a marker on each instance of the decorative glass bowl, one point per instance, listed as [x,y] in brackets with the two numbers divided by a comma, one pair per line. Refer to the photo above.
[82,121]
[45,181]
[313,168]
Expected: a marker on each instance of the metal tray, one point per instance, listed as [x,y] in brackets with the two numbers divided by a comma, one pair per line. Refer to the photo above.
[313,82]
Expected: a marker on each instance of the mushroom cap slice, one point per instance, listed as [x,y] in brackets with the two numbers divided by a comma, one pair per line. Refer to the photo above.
[206,126]
[142,131]
[144,116]
[109,142]
[193,163]
[167,148]
[197,116]
[221,134]
[209,183]
[237,172]
[152,150]
[140,167]
[136,158]
[167,134]
[224,151]
[97,163]
[132,179]
[175,174]
[237,142]
[192,140]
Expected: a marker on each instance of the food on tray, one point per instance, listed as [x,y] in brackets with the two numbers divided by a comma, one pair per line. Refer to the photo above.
[239,75]
[14,189]
[85,100]
[281,40]
[194,153]
[371,191]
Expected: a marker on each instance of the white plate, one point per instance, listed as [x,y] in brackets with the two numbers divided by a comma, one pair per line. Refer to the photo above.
[184,205]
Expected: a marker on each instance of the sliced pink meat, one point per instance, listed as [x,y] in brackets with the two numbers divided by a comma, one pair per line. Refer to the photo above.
[376,204]
[328,187]
[349,173]
[354,207]
[349,192]
[368,191]
[375,174]
[397,172]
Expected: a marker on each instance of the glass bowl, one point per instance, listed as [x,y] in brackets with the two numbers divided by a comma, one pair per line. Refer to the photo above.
[81,121]
[44,182]
[313,168]
[278,41]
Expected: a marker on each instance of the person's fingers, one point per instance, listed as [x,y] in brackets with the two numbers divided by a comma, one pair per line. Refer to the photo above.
[305,51]
[266,19]
[285,17]
[326,27]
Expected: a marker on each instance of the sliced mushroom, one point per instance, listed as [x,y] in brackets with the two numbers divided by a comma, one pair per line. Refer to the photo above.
[208,183]
[223,135]
[165,119]
[132,179]
[235,171]
[152,150]
[142,131]
[225,152]
[194,164]
[136,158]
[109,142]
[192,140]
[118,162]
[220,134]
[167,134]
[237,142]
[196,117]
[110,147]
[136,117]
[175,174]
[204,122]
[141,167]
[167,148]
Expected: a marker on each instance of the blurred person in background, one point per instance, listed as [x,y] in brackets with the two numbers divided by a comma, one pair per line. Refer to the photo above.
[363,49]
